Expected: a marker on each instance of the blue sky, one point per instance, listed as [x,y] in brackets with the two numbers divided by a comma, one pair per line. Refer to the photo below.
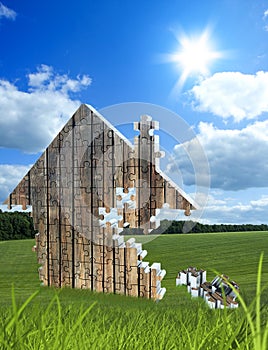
[54,56]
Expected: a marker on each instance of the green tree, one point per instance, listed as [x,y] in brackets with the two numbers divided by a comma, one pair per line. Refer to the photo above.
[16,225]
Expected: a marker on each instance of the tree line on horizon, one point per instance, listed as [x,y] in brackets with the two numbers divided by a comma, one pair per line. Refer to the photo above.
[196,227]
[189,226]
[18,225]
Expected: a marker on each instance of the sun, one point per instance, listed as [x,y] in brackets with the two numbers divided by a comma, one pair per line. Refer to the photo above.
[194,56]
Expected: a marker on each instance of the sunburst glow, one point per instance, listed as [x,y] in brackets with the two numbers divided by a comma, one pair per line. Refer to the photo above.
[194,56]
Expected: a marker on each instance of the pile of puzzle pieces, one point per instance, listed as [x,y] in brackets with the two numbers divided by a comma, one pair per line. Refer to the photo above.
[218,294]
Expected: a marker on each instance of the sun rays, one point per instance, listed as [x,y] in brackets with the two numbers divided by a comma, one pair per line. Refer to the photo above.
[194,56]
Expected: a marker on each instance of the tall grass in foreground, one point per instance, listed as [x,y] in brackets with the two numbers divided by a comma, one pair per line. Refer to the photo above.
[254,315]
[57,326]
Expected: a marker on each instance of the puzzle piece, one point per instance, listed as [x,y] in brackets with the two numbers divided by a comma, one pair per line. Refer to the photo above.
[157,152]
[125,196]
[146,126]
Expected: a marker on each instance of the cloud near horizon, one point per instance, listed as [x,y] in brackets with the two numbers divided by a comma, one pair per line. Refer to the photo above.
[6,12]
[232,95]
[31,119]
[228,211]
[238,159]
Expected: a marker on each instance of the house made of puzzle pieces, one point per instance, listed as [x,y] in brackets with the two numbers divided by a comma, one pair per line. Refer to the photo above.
[88,185]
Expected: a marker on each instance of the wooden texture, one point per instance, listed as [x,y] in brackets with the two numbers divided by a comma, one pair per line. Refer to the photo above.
[80,172]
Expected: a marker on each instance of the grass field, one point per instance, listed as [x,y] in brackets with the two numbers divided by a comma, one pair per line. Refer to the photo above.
[81,319]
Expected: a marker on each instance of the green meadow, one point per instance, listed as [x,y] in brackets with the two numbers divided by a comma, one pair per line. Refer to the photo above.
[35,317]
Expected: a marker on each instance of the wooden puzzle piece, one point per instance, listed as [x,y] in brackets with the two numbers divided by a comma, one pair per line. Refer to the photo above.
[146,126]
[157,274]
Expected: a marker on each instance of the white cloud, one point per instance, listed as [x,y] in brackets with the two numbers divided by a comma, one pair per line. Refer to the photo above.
[10,176]
[238,159]
[226,211]
[233,94]
[6,12]
[262,202]
[265,15]
[30,120]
